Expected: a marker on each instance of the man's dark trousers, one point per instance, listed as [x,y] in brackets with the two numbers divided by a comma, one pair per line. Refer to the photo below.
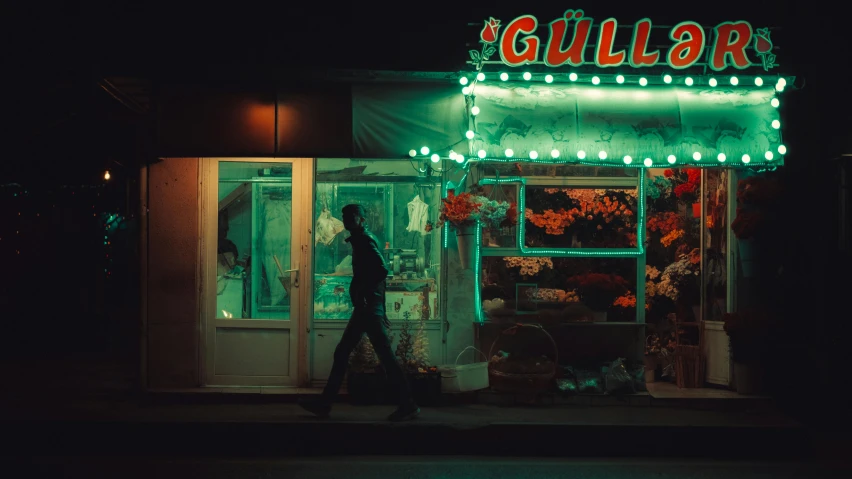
[373,325]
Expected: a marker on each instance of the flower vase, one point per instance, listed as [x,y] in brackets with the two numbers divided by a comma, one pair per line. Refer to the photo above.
[651,364]
[696,210]
[467,244]
[747,260]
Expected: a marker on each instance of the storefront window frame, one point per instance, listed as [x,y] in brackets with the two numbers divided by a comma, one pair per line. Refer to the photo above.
[638,253]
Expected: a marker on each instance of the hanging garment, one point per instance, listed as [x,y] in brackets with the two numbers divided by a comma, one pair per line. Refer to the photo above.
[327,227]
[418,216]
[275,227]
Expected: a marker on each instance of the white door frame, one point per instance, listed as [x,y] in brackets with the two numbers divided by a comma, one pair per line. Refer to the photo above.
[300,259]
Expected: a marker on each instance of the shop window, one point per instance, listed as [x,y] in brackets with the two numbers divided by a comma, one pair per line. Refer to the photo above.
[545,170]
[254,240]
[715,261]
[402,203]
[559,289]
[673,258]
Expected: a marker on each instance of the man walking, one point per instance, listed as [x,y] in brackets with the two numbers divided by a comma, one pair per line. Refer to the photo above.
[367,292]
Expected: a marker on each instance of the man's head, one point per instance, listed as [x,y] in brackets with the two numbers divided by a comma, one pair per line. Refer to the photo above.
[354,218]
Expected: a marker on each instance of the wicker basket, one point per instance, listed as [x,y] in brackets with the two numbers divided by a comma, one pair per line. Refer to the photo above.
[522,383]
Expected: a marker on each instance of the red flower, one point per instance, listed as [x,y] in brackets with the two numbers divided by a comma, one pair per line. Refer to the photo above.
[489,31]
[762,42]
[668,173]
[511,216]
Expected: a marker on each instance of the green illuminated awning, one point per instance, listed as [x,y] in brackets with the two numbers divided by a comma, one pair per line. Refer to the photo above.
[603,125]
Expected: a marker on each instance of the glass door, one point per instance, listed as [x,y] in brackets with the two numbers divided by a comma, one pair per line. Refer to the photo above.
[256,264]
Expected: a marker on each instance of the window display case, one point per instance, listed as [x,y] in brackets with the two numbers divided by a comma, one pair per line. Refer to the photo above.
[402,205]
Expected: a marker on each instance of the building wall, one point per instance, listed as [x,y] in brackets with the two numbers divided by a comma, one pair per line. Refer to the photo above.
[172,325]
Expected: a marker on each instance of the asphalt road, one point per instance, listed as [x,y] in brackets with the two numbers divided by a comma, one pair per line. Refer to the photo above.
[424,467]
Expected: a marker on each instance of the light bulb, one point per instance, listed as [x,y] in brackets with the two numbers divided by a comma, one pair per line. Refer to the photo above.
[509,153]
[527,75]
[452,155]
[504,76]
[782,82]
[435,158]
[424,150]
[533,155]
[581,154]
[480,76]
[548,78]
[779,87]
[688,81]
[775,102]
[627,159]
[619,79]
[595,80]
[107,175]
[481,154]
[768,155]
[466,90]
[643,81]
[648,162]
[746,158]
[459,158]
[463,81]
[474,111]
[667,78]
[572,76]
[782,149]
[776,124]
[470,134]
[734,81]
[671,159]
[696,156]
[758,81]
[713,82]
[412,153]
[554,153]
[602,155]
[721,157]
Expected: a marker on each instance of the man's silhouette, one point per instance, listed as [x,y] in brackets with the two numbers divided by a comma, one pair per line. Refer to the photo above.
[367,292]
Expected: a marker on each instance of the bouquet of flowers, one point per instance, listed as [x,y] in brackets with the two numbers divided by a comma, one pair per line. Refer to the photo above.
[676,274]
[687,183]
[598,290]
[755,194]
[493,214]
[459,210]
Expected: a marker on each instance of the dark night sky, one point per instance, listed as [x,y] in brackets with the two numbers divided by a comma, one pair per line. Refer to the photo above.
[55,54]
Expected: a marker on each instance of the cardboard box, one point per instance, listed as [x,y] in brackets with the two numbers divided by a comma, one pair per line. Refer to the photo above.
[397,303]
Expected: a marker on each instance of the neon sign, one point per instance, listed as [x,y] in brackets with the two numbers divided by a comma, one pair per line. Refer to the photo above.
[733,44]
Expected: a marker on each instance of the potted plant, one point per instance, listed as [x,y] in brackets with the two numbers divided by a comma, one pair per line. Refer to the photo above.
[462,212]
[659,352]
[365,381]
[412,352]
[756,195]
[747,331]
[598,291]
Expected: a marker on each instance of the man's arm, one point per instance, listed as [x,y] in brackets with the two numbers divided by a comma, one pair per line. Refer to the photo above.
[374,265]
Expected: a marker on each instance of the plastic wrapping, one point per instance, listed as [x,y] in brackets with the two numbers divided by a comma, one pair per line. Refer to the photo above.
[589,381]
[568,383]
[617,378]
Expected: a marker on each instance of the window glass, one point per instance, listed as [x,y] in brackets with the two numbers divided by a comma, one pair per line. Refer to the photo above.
[254,241]
[402,206]
[570,217]
[715,244]
[563,289]
[673,256]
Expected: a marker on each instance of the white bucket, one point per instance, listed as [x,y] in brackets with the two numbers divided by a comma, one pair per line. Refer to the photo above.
[457,378]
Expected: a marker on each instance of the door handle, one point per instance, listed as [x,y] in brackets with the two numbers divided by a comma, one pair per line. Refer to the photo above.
[296,279]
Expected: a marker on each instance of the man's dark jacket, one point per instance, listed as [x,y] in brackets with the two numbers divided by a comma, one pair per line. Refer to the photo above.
[368,274]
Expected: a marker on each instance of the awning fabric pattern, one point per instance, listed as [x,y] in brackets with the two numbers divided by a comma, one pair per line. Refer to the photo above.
[649,122]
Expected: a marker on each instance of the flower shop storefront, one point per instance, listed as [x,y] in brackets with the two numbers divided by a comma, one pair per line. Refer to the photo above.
[573,225]
[601,205]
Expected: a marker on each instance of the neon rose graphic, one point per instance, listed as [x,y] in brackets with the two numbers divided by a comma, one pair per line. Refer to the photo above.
[489,31]
[763,47]
[487,37]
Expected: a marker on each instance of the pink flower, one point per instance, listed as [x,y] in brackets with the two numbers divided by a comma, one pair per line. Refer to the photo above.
[489,31]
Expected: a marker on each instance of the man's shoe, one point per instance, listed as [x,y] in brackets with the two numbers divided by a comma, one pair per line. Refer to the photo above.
[405,413]
[316,407]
